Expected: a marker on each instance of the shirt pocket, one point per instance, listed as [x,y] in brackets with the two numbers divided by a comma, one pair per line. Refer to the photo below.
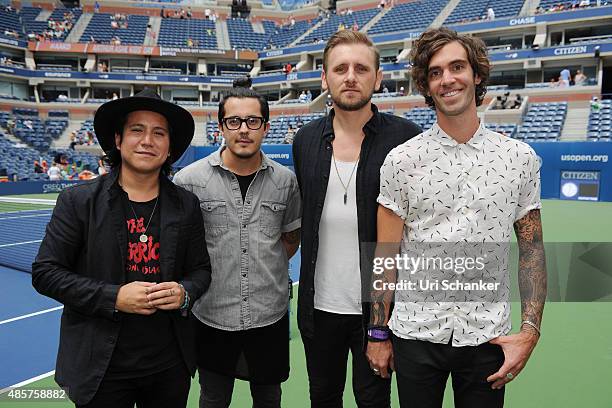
[271,219]
[215,216]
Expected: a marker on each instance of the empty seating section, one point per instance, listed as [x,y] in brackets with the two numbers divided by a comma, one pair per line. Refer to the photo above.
[9,20]
[600,122]
[99,28]
[409,16]
[29,128]
[17,161]
[283,36]
[424,117]
[383,95]
[29,14]
[329,27]
[507,129]
[543,121]
[279,126]
[242,35]
[176,32]
[468,10]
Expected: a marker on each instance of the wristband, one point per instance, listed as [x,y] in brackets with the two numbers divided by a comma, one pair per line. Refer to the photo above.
[378,334]
[532,324]
[185,304]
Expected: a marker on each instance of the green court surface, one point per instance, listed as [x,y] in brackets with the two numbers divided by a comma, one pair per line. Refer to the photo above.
[570,368]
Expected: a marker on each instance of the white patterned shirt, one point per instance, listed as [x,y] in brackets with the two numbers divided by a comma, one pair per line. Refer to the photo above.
[447,192]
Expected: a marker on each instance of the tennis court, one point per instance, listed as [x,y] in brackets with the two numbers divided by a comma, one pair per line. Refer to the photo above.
[571,367]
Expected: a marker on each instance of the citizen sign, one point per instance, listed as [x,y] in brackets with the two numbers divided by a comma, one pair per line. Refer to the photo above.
[580,175]
[571,50]
[522,21]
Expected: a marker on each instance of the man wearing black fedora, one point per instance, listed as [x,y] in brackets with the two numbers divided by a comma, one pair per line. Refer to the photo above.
[111,255]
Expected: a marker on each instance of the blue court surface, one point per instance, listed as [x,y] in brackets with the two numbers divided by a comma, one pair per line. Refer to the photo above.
[29,327]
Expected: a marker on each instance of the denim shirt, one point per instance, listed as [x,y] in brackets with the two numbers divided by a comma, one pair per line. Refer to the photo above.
[249,285]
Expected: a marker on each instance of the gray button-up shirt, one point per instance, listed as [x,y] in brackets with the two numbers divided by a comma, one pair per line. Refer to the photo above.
[249,286]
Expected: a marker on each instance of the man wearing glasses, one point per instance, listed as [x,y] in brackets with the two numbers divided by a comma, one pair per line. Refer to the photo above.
[252,212]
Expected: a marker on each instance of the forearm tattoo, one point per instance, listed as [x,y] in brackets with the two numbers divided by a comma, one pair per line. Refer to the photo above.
[532,266]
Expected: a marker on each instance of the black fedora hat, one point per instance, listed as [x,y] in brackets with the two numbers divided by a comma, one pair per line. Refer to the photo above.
[180,120]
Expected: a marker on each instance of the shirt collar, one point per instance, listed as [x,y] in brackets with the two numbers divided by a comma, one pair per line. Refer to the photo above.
[217,161]
[369,128]
[476,141]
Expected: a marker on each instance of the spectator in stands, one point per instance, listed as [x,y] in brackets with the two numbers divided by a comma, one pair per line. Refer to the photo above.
[38,168]
[244,333]
[554,82]
[401,91]
[44,166]
[303,98]
[308,96]
[115,96]
[490,13]
[126,255]
[207,13]
[289,136]
[346,147]
[385,90]
[96,7]
[102,170]
[54,172]
[435,336]
[564,78]
[287,68]
[355,26]
[595,104]
[341,27]
[518,101]
[580,78]
[382,4]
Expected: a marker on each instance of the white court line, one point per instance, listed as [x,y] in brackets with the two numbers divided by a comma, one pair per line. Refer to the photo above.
[27,200]
[53,309]
[26,382]
[20,243]
[48,214]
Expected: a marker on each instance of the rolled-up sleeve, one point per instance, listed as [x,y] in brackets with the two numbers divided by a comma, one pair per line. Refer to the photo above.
[392,194]
[292,219]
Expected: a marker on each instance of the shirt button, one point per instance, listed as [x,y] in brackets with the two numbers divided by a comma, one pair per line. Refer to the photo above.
[244,299]
[464,211]
[248,202]
[244,275]
[244,251]
[243,225]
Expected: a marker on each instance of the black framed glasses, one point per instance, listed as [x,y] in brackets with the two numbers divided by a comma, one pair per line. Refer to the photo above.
[252,122]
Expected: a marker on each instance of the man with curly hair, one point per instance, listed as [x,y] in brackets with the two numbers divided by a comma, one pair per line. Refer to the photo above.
[457,182]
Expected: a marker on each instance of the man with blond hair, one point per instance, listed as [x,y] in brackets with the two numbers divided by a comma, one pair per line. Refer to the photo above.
[337,162]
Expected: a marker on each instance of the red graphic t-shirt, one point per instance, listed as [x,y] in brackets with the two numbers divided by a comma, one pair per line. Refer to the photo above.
[146,344]
[142,257]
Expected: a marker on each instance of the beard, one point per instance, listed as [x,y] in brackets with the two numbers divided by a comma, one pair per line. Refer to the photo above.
[352,106]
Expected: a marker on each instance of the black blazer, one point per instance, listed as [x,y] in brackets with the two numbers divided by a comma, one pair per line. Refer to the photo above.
[81,261]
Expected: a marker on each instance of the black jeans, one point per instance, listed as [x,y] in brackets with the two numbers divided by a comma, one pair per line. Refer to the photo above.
[422,369]
[216,392]
[326,358]
[167,389]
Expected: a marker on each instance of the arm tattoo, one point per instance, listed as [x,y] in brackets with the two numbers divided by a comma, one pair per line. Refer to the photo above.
[532,266]
[382,299]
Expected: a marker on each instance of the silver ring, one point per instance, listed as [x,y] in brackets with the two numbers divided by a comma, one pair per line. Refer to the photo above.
[376,370]
[509,376]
